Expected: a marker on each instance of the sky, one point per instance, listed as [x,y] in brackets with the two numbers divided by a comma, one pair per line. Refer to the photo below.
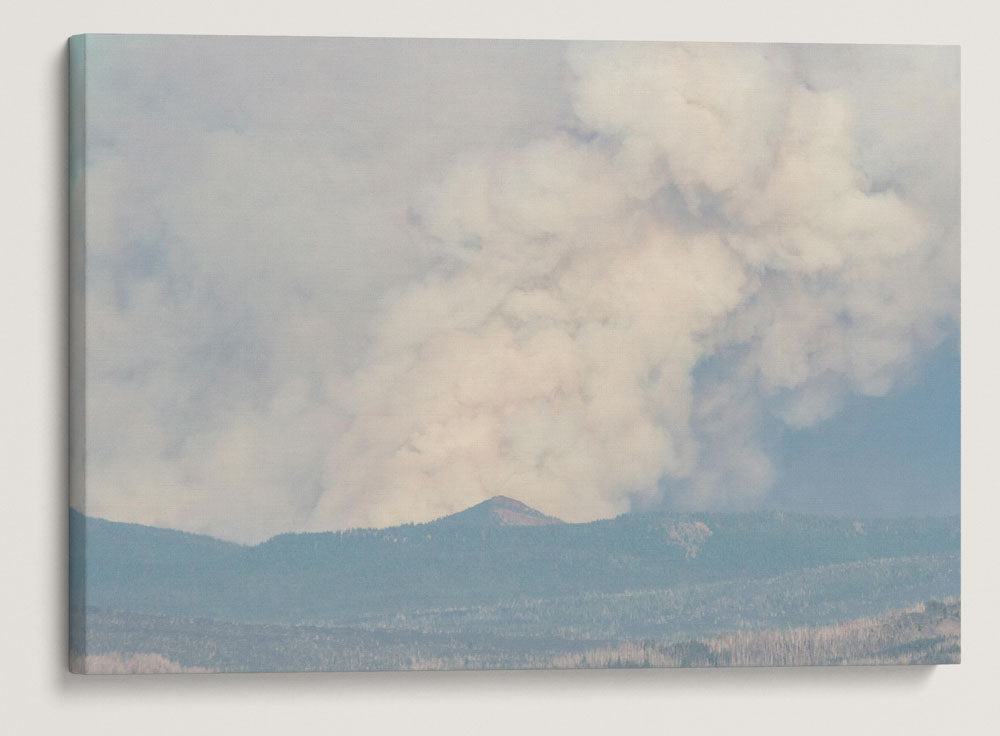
[350,282]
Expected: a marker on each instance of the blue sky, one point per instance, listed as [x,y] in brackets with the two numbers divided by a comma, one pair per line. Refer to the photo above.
[899,455]
[356,282]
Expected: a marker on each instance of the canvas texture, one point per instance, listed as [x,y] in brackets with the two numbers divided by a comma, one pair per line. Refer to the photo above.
[404,354]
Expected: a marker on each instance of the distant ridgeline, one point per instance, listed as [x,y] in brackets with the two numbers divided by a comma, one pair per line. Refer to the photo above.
[503,553]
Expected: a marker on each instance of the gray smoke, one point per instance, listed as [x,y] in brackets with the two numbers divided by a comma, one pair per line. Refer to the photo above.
[781,221]
[364,282]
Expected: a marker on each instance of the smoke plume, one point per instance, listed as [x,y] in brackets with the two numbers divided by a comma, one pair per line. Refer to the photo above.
[725,233]
[351,282]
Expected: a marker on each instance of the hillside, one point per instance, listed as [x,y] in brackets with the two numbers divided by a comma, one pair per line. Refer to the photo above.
[126,643]
[479,557]
[499,511]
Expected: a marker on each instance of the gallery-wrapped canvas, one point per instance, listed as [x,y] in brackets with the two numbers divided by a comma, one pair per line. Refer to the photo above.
[395,354]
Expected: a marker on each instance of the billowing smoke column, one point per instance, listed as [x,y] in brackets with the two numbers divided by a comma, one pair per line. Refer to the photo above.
[728,232]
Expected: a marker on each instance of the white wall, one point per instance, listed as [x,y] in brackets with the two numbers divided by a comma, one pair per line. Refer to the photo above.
[39,697]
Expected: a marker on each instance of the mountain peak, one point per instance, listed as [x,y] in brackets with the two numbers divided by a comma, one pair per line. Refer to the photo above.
[505,511]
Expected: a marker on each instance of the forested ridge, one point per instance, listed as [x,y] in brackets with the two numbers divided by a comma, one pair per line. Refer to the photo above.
[475,590]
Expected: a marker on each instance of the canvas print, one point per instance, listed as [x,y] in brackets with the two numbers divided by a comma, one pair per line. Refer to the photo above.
[399,354]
